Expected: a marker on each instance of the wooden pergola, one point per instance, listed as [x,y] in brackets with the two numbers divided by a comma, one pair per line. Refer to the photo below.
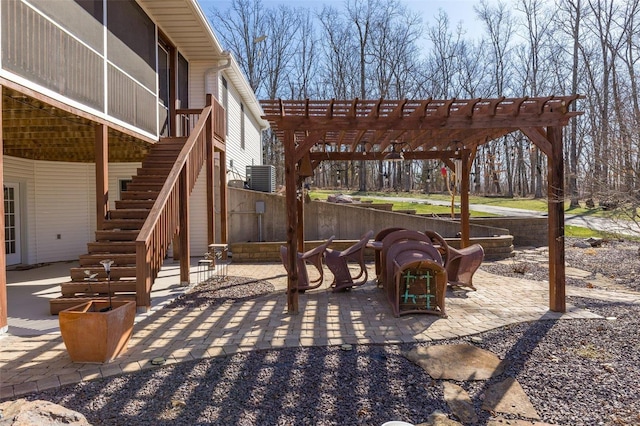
[316,130]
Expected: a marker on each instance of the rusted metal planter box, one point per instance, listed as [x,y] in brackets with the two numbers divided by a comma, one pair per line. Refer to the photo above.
[94,336]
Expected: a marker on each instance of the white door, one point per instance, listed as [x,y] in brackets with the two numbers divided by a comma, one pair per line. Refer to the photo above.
[12,223]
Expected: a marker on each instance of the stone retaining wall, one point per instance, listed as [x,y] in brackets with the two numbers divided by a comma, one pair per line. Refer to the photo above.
[323,219]
[526,231]
[495,248]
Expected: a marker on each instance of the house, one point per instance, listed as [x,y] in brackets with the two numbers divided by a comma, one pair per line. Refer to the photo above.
[100,99]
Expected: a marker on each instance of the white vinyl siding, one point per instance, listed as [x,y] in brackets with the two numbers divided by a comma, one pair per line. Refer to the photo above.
[59,198]
[64,200]
[198,216]
[118,171]
[251,154]
[197,83]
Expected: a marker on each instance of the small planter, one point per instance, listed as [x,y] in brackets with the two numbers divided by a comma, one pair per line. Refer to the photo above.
[94,336]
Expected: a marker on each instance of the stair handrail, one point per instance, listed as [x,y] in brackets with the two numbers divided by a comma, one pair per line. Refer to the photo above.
[162,222]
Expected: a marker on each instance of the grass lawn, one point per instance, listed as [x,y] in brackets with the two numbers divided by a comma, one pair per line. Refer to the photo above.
[418,206]
[519,203]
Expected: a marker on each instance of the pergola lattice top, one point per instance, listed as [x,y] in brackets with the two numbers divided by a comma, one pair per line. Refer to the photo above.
[355,126]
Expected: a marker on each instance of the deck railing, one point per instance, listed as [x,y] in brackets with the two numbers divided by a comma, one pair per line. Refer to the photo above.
[163,221]
[187,118]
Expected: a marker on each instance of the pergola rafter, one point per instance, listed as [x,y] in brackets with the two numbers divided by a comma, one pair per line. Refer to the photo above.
[318,130]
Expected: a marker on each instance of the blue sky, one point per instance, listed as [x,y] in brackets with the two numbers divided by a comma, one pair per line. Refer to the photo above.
[458,10]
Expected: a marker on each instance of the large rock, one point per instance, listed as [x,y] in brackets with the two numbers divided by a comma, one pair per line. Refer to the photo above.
[438,418]
[509,397]
[457,362]
[38,413]
[460,403]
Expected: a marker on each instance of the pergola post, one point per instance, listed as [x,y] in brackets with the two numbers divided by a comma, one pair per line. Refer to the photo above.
[557,295]
[292,222]
[300,213]
[102,174]
[465,227]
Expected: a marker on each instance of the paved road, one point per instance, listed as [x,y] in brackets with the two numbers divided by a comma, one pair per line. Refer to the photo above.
[595,223]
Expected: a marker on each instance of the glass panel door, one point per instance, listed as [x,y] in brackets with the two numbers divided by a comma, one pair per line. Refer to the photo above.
[12,224]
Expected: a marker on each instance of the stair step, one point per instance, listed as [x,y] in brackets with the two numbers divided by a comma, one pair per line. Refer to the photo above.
[166,152]
[111,247]
[139,195]
[61,303]
[160,163]
[145,186]
[117,235]
[148,179]
[154,171]
[88,288]
[123,224]
[171,140]
[117,272]
[134,204]
[119,259]
[129,213]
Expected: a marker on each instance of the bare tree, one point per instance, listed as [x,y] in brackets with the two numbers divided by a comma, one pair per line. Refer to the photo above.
[499,26]
[240,28]
[445,58]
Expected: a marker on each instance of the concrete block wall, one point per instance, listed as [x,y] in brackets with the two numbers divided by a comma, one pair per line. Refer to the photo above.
[529,231]
[495,248]
[322,220]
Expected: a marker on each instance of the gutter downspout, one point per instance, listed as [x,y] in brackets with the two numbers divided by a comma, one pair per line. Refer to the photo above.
[226,55]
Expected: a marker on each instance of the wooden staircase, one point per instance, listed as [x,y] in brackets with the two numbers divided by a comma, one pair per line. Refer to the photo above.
[117,240]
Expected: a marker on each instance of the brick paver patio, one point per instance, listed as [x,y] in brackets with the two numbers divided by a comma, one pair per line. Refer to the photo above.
[361,316]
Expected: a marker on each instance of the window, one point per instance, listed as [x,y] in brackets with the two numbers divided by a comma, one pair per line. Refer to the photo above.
[225,103]
[183,81]
[122,184]
[242,126]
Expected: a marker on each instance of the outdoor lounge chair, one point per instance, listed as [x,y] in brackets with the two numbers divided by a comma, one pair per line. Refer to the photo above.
[313,257]
[411,289]
[419,287]
[378,252]
[338,264]
[386,263]
[460,264]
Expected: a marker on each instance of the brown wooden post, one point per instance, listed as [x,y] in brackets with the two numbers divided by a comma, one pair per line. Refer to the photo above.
[557,296]
[300,213]
[292,222]
[102,174]
[211,223]
[4,320]
[465,230]
[183,233]
[224,227]
[173,92]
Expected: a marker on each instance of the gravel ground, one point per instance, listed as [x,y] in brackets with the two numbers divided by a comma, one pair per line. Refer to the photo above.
[578,372]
